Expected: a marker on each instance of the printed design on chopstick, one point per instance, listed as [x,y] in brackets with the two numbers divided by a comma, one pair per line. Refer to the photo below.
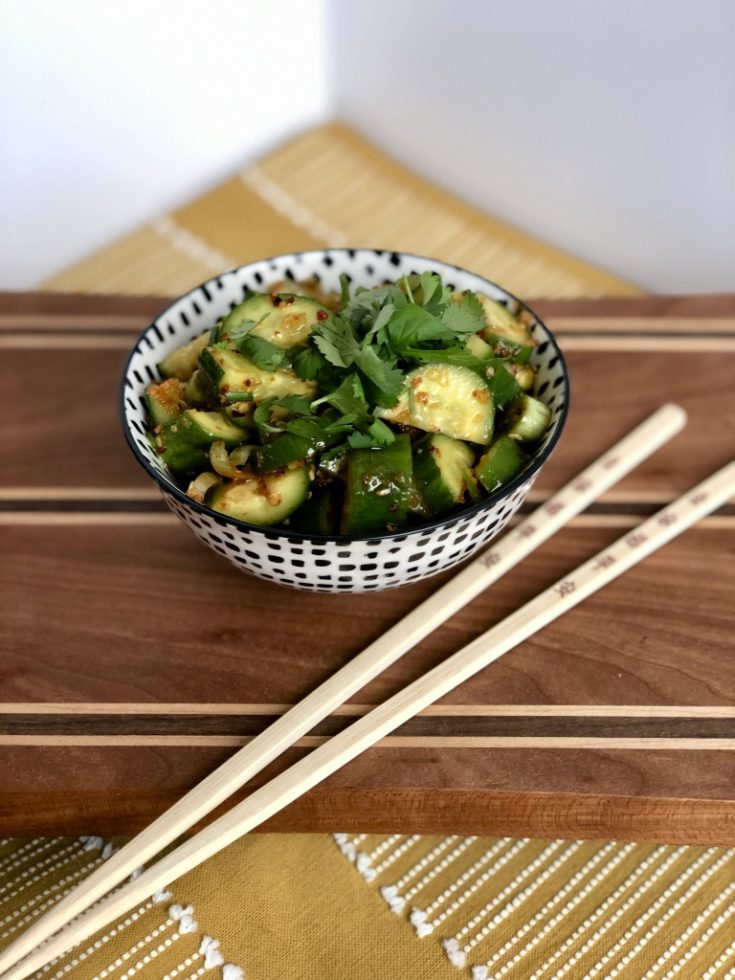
[543,910]
[159,939]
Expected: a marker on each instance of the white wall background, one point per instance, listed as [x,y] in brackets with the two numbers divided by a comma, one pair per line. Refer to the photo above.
[606,127]
[111,112]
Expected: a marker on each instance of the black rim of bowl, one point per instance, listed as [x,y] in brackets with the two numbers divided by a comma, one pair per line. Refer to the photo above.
[297,536]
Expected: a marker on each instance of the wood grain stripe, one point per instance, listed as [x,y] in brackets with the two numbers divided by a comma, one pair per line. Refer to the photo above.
[444,710]
[667,325]
[393,741]
[58,493]
[463,726]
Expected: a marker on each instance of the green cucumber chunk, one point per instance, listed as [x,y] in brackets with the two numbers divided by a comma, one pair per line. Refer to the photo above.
[194,393]
[445,398]
[176,449]
[478,347]
[502,382]
[524,374]
[203,428]
[504,460]
[181,363]
[227,373]
[165,401]
[501,322]
[320,513]
[241,415]
[377,488]
[440,465]
[259,499]
[283,320]
[527,419]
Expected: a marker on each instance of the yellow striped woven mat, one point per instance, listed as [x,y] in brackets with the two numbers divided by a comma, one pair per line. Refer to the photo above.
[363,907]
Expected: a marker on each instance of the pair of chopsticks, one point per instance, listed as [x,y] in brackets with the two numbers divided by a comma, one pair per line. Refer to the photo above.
[365,732]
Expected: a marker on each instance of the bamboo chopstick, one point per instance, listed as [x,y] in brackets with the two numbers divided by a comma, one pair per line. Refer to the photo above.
[460,590]
[568,592]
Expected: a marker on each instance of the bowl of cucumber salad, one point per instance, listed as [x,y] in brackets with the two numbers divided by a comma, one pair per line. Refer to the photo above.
[345,420]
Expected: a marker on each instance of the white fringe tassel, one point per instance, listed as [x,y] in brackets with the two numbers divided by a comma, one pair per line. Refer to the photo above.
[456,956]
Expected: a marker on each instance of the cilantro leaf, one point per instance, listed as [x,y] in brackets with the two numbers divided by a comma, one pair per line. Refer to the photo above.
[465,316]
[376,436]
[349,398]
[434,293]
[337,342]
[263,353]
[367,303]
[295,404]
[386,378]
[308,363]
[414,326]
[359,440]
[380,432]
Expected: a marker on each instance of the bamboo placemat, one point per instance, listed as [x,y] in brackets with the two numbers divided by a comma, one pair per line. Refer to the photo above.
[311,905]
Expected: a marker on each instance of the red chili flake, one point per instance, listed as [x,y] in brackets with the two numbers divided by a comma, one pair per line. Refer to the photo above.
[322,315]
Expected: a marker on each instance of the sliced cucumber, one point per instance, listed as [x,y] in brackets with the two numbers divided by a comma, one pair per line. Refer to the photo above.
[259,499]
[440,465]
[194,393]
[448,399]
[478,347]
[503,460]
[527,419]
[320,513]
[502,382]
[241,415]
[203,428]
[165,401]
[177,451]
[505,333]
[378,487]
[524,374]
[228,373]
[284,320]
[181,363]
[500,321]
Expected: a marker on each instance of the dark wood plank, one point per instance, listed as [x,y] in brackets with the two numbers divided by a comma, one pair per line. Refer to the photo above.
[152,615]
[106,599]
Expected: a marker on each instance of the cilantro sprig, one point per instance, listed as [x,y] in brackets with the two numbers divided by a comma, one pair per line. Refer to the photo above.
[360,355]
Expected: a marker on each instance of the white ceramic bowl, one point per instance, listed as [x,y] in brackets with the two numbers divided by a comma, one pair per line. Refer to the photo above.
[331,564]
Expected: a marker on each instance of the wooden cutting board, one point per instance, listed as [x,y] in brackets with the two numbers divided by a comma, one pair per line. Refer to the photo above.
[133,660]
